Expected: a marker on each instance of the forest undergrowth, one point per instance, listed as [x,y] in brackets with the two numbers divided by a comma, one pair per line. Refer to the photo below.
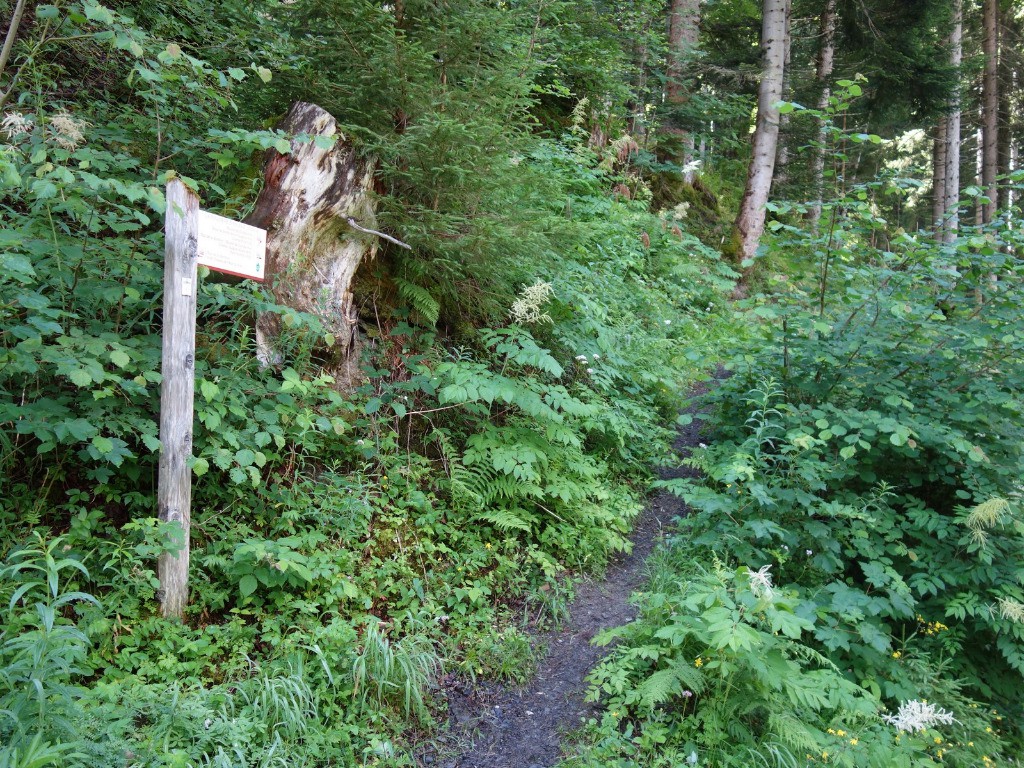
[349,545]
[848,587]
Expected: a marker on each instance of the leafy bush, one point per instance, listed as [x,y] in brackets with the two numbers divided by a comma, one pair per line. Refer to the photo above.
[864,473]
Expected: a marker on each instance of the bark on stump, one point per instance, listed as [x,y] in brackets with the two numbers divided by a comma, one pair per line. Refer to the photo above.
[310,200]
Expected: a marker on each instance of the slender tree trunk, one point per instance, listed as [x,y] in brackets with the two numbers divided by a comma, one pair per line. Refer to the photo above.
[637,120]
[939,175]
[979,169]
[683,31]
[826,62]
[1007,86]
[951,187]
[990,111]
[782,152]
[750,222]
[12,35]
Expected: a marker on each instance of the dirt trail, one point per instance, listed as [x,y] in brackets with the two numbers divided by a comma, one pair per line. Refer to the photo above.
[523,728]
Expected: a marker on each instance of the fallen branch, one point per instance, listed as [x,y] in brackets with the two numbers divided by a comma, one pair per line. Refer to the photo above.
[389,238]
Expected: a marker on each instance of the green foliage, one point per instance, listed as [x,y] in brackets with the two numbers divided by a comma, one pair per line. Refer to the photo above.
[41,652]
[722,652]
[394,673]
[505,655]
[346,540]
[865,458]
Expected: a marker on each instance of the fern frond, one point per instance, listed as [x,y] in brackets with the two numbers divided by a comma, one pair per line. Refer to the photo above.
[509,520]
[420,300]
[793,732]
[659,688]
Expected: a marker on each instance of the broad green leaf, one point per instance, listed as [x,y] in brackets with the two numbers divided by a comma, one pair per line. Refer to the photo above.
[96,12]
[247,585]
[103,444]
[209,390]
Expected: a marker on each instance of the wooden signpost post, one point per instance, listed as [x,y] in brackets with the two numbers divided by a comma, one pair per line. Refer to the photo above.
[192,237]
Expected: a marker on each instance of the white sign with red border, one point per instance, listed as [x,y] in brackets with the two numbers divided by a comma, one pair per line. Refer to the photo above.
[231,247]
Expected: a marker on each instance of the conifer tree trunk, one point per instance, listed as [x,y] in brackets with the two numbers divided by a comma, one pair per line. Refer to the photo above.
[636,121]
[1007,86]
[683,31]
[939,175]
[826,62]
[951,186]
[990,111]
[749,224]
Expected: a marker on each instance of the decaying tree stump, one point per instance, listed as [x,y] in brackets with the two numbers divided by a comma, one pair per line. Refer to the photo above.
[314,205]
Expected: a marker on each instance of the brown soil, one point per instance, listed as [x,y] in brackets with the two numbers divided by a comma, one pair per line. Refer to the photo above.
[523,727]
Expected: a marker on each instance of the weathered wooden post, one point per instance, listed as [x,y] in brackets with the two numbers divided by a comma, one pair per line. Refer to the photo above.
[177,389]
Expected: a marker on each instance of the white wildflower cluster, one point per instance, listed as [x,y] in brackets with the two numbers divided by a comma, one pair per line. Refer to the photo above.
[915,716]
[584,360]
[527,308]
[1011,610]
[16,125]
[67,131]
[679,212]
[761,583]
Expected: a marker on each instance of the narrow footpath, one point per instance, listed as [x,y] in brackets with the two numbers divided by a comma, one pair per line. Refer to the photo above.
[524,727]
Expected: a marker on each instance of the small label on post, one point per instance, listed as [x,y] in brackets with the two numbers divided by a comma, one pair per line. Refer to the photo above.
[186,286]
[229,246]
